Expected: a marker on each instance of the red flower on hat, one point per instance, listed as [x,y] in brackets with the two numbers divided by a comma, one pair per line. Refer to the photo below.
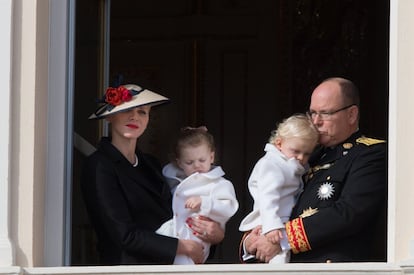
[114,97]
[125,94]
[117,96]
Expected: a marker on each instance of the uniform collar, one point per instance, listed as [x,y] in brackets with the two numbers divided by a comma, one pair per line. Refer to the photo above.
[330,154]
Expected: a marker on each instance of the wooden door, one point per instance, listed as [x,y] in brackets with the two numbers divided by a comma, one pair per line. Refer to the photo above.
[236,66]
[217,61]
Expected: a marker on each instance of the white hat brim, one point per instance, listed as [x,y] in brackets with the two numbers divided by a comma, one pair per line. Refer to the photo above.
[146,97]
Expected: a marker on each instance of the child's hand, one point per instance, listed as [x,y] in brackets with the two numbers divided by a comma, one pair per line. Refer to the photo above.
[193,203]
[274,236]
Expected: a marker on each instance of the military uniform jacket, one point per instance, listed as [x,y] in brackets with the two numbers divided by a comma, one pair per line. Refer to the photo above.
[339,211]
[126,205]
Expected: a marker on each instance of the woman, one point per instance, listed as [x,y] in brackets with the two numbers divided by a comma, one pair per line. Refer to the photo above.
[125,194]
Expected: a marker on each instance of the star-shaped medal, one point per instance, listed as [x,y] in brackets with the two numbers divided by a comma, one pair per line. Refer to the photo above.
[326,191]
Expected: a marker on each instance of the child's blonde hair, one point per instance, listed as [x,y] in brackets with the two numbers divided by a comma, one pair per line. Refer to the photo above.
[298,126]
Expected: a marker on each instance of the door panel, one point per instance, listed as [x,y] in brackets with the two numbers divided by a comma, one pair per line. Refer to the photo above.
[209,59]
[236,66]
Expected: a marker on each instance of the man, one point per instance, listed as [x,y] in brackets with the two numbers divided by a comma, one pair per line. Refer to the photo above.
[339,217]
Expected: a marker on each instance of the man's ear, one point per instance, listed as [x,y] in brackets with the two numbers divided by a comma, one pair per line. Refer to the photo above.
[353,114]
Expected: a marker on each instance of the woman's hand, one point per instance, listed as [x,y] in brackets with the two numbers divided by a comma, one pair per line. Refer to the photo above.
[192,249]
[206,229]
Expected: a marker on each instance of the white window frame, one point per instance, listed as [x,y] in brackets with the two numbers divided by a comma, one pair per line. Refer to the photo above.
[60,125]
[60,122]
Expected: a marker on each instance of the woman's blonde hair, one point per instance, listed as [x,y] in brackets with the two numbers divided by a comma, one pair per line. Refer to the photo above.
[298,126]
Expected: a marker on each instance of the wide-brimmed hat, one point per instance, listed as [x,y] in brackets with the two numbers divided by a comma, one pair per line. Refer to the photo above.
[126,97]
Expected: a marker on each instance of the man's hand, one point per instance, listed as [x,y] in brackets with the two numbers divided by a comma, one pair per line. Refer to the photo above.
[257,244]
[274,236]
[251,239]
[265,249]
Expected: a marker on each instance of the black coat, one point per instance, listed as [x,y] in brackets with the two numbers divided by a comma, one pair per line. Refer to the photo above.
[343,204]
[126,205]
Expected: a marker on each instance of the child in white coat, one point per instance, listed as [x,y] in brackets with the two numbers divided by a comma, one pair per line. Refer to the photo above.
[199,188]
[276,179]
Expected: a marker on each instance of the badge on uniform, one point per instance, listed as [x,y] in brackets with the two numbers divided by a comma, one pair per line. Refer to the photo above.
[308,212]
[369,141]
[347,145]
[326,191]
[315,169]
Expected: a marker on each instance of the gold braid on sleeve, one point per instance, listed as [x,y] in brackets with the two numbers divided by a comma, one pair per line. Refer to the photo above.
[297,236]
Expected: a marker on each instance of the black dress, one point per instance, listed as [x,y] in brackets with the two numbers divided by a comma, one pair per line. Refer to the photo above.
[126,205]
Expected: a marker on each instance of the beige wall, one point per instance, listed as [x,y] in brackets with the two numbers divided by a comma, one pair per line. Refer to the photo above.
[29,113]
[29,119]
[6,251]
[401,129]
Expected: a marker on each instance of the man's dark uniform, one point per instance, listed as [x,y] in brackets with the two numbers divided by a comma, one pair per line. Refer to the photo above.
[340,216]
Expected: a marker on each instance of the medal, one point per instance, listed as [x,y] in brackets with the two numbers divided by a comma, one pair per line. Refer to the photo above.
[326,191]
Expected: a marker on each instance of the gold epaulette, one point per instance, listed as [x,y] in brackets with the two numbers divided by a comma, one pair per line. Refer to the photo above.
[297,236]
[369,141]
